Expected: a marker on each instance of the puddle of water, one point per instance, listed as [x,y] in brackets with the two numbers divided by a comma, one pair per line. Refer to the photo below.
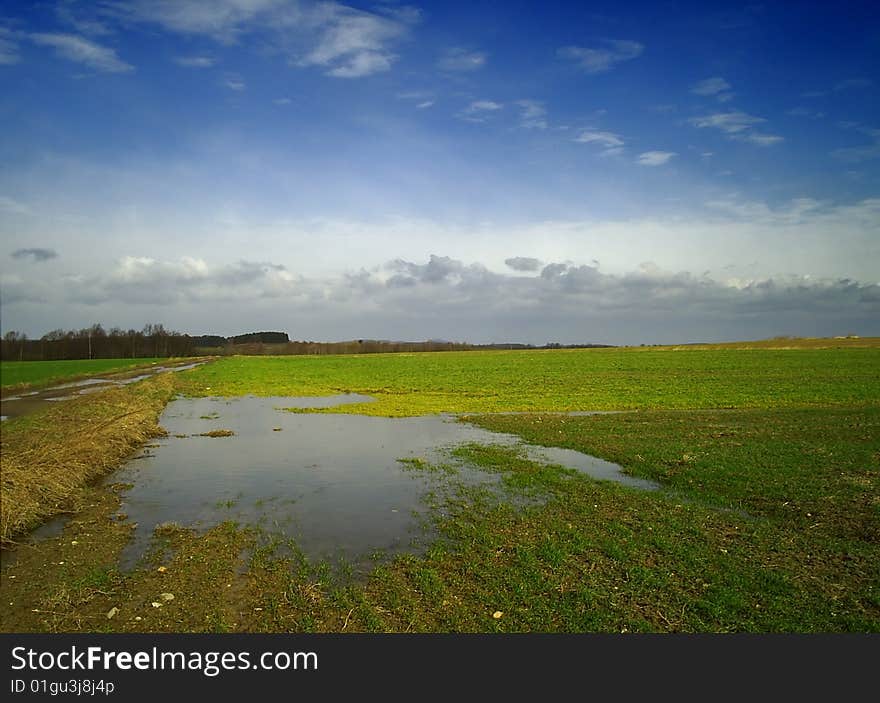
[331,482]
[80,384]
[26,403]
[590,465]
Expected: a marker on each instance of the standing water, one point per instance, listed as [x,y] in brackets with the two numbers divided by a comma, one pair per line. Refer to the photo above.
[332,482]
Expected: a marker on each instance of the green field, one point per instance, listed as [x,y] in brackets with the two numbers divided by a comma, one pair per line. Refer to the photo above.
[42,373]
[768,519]
[556,381]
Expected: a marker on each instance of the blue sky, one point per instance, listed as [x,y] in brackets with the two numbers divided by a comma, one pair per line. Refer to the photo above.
[672,171]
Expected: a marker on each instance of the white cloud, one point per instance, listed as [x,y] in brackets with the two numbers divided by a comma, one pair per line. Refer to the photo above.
[451,298]
[351,43]
[655,158]
[83,24]
[462,60]
[533,115]
[223,20]
[727,122]
[612,143]
[143,280]
[282,101]
[195,61]
[234,82]
[347,42]
[363,63]
[600,60]
[84,51]
[759,138]
[479,110]
[715,86]
[737,125]
[425,104]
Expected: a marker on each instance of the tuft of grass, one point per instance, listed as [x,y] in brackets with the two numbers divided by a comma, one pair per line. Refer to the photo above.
[217,433]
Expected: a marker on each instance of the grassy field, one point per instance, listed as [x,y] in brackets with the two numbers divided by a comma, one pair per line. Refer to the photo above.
[559,380]
[24,374]
[768,520]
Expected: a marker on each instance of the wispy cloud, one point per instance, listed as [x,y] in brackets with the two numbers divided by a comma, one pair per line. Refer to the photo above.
[727,122]
[8,48]
[847,84]
[423,98]
[611,143]
[234,82]
[865,152]
[737,125]
[363,63]
[79,17]
[195,61]
[853,84]
[607,139]
[603,58]
[655,158]
[710,86]
[462,60]
[479,110]
[84,51]
[716,87]
[345,41]
[415,95]
[222,20]
[533,114]
[36,253]
[760,138]
[353,43]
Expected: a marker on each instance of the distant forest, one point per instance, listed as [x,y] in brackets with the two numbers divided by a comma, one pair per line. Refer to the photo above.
[155,341]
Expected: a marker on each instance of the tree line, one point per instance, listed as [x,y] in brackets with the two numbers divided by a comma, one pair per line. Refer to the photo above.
[97,343]
[154,340]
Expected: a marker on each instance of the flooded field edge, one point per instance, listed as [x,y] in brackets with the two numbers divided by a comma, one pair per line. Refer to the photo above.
[225,507]
[332,482]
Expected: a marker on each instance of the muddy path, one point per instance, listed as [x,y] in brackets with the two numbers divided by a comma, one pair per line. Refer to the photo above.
[25,402]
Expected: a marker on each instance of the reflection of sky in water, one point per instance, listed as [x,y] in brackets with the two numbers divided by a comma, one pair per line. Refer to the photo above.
[330,481]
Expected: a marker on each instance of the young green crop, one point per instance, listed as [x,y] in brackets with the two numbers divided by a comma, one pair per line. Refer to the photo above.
[558,380]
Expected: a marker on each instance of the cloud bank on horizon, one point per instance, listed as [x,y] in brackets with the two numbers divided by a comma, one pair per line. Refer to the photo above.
[442,170]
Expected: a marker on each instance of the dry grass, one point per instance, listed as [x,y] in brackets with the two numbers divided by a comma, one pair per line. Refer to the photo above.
[47,457]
